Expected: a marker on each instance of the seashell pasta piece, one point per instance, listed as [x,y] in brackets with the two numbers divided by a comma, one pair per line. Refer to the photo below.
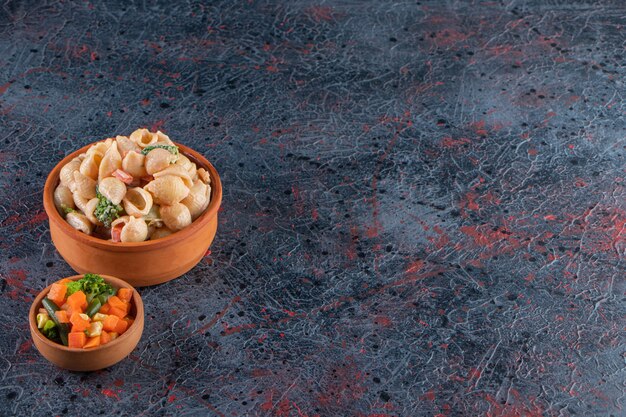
[90,207]
[79,222]
[160,232]
[137,202]
[198,199]
[100,148]
[133,229]
[176,216]
[134,164]
[111,161]
[177,171]
[63,199]
[84,186]
[80,201]
[113,189]
[167,190]
[143,138]
[189,166]
[183,161]
[157,160]
[90,165]
[162,138]
[125,145]
[66,175]
[204,175]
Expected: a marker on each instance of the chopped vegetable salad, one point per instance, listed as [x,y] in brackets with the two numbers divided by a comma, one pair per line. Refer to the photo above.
[85,313]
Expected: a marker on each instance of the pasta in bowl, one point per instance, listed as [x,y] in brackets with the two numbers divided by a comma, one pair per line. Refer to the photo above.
[139,207]
[132,189]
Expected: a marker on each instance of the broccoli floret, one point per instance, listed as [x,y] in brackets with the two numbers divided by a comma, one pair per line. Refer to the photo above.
[105,210]
[72,287]
[173,149]
[94,285]
[50,330]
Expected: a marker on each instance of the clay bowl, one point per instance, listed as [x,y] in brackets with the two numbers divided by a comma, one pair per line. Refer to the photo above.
[89,359]
[138,263]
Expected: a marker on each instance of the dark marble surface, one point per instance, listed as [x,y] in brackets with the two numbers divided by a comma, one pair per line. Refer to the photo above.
[423,204]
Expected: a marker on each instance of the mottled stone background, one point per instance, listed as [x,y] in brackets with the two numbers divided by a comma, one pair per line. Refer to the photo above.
[424,203]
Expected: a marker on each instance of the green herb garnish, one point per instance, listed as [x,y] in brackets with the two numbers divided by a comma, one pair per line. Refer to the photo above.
[105,210]
[92,285]
[173,149]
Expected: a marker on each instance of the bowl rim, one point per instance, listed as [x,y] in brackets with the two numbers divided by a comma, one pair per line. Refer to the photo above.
[211,211]
[116,282]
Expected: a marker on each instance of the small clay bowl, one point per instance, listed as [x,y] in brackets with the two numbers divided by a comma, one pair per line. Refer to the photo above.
[138,263]
[100,357]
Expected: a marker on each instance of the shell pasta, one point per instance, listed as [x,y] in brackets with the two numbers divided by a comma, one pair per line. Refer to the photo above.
[132,188]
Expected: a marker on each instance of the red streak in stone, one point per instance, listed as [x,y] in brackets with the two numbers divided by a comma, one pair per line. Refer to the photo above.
[218,316]
[412,277]
[319,13]
[111,394]
[15,279]
[24,347]
[384,321]
[487,238]
[429,396]
[519,408]
[479,127]
[259,372]
[157,125]
[237,329]
[449,37]
[4,88]
[36,219]
[414,266]
[451,143]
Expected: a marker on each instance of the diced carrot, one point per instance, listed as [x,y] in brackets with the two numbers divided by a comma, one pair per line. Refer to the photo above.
[57,294]
[64,281]
[144,180]
[105,308]
[70,310]
[76,339]
[78,299]
[92,342]
[129,320]
[123,176]
[110,323]
[79,324]
[121,326]
[117,312]
[116,232]
[114,301]
[104,338]
[62,316]
[125,294]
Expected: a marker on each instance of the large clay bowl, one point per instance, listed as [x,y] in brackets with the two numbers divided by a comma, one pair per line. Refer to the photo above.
[89,359]
[139,263]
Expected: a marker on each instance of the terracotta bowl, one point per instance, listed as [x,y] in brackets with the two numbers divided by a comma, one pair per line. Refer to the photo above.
[89,359]
[139,263]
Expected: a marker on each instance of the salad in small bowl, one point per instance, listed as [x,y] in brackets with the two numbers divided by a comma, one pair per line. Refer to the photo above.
[86,322]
